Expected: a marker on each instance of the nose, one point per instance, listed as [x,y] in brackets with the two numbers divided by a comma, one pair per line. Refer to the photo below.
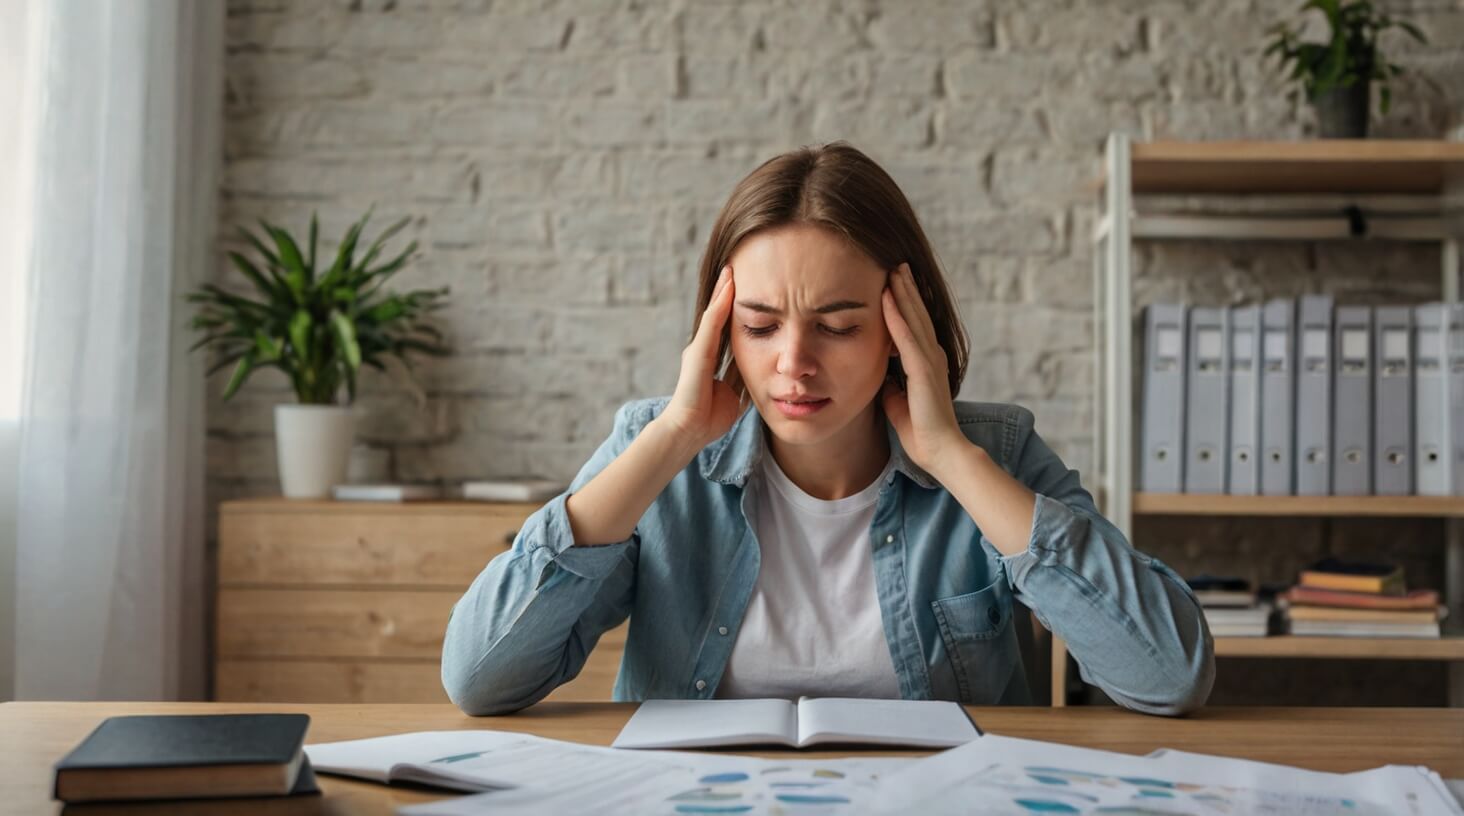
[794,358]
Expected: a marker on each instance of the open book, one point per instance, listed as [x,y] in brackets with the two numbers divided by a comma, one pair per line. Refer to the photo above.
[810,721]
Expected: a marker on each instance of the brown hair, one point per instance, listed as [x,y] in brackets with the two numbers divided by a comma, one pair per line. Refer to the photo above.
[839,188]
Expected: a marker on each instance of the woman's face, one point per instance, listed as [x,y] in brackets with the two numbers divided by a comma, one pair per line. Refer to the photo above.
[808,333]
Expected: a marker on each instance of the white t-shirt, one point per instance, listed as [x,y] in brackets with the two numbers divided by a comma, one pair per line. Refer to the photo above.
[813,625]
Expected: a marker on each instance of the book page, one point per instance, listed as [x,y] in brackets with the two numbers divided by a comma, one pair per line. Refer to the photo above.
[923,723]
[480,760]
[379,758]
[698,723]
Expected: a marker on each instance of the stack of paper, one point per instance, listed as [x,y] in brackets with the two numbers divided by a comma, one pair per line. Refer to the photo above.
[990,774]
[533,775]
[1004,775]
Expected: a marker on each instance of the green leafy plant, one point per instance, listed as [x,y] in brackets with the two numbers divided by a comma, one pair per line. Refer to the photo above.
[317,325]
[1348,57]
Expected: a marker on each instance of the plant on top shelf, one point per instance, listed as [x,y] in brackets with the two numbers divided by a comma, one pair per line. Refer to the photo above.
[318,324]
[1337,75]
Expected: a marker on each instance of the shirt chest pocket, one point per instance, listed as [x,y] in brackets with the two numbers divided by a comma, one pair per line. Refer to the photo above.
[980,641]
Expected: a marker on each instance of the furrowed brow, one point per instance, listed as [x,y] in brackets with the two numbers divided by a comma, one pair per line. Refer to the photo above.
[836,306]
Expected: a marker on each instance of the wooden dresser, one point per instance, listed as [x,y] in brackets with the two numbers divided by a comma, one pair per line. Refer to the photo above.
[347,602]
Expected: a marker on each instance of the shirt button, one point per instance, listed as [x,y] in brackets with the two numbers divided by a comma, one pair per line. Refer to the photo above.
[993,614]
[721,630]
[701,685]
[889,539]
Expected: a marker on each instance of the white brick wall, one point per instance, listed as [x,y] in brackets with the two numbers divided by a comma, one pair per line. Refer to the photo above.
[563,161]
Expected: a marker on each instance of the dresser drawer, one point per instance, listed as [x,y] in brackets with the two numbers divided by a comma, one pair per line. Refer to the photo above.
[426,546]
[323,601]
[364,680]
[380,680]
[333,622]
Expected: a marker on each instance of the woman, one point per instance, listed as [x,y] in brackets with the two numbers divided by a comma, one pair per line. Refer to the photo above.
[854,532]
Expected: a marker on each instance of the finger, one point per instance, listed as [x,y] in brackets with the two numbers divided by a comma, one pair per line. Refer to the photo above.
[905,342]
[901,294]
[709,329]
[920,321]
[717,287]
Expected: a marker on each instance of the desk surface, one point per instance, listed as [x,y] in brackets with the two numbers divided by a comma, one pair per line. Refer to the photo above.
[35,735]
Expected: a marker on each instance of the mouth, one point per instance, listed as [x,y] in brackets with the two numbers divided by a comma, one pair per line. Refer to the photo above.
[801,406]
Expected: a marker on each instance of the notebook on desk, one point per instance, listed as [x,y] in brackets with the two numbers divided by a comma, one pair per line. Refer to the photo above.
[304,799]
[184,756]
[810,721]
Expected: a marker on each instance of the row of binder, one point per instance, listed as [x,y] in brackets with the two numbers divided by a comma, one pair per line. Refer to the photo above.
[1304,398]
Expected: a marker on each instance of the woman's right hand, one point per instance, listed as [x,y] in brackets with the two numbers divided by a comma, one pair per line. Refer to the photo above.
[704,408]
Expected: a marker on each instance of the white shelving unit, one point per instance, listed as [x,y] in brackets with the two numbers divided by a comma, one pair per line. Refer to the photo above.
[1388,190]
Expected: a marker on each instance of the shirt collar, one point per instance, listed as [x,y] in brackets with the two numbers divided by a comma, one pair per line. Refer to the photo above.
[730,459]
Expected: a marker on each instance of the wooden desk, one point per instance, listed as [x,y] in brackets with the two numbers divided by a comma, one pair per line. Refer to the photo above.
[35,735]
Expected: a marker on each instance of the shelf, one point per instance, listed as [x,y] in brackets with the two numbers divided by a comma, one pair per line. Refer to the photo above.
[1184,504]
[1445,648]
[278,504]
[1313,190]
[1280,228]
[1409,167]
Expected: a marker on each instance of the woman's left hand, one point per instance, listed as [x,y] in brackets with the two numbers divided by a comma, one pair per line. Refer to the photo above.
[923,413]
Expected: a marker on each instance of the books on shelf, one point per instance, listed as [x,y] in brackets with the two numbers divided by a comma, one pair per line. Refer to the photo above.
[1253,621]
[1367,629]
[1225,599]
[1354,576]
[1339,598]
[386,492]
[1232,608]
[1323,613]
[1316,596]
[494,490]
[512,490]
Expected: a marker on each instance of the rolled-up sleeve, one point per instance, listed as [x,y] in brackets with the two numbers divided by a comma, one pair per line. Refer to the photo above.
[531,618]
[1133,625]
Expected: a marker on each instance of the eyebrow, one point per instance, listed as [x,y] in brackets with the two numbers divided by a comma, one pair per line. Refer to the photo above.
[836,306]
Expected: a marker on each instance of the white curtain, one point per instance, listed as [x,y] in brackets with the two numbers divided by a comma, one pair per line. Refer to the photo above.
[110,579]
[15,163]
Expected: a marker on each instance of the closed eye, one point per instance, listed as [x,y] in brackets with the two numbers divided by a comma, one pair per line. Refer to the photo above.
[764,331]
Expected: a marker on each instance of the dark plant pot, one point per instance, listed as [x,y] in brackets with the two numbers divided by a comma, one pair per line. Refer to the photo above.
[1342,112]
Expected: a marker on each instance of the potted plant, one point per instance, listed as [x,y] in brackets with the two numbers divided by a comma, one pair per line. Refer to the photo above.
[319,326]
[1337,75]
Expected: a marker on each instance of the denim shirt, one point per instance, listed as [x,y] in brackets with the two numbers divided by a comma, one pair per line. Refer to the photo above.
[684,577]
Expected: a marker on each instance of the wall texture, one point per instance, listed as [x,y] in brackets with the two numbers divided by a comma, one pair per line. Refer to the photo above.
[562,163]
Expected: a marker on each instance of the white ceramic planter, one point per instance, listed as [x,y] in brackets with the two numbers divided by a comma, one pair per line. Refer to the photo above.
[313,444]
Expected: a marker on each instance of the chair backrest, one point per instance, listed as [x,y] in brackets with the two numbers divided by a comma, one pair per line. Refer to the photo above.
[1036,646]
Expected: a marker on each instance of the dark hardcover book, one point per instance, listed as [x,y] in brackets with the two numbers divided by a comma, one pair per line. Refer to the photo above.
[304,800]
[185,756]
[1218,583]
[1354,576]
